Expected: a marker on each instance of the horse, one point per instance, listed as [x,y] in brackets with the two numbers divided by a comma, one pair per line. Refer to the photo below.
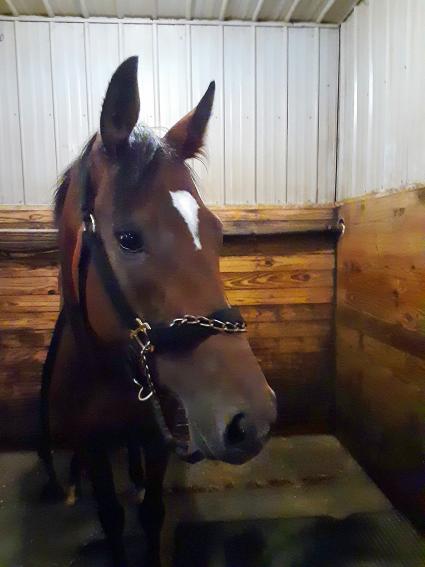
[146,335]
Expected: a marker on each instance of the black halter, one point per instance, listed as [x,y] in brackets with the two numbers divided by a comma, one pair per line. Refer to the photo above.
[181,333]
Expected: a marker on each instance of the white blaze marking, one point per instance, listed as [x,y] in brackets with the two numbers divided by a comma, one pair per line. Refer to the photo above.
[188,208]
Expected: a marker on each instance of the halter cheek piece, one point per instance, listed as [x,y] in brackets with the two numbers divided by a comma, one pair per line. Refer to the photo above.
[180,334]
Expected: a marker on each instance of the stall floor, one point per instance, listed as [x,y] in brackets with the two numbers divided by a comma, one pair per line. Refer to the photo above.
[304,502]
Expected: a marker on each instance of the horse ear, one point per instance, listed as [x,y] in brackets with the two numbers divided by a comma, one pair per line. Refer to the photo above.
[187,136]
[121,106]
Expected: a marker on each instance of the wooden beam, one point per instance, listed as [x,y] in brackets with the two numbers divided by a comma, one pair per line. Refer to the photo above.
[290,12]
[30,229]
[223,9]
[83,9]
[12,8]
[257,10]
[325,9]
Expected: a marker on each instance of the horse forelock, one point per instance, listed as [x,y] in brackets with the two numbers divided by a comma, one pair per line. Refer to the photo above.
[134,162]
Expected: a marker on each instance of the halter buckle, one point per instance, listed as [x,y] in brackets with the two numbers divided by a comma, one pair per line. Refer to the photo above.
[140,335]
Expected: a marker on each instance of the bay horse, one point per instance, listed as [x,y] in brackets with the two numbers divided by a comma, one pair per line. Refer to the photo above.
[146,332]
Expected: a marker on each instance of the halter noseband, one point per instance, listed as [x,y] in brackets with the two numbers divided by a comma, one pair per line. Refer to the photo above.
[181,333]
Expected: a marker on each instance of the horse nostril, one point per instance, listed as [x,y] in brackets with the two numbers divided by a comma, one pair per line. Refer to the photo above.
[237,430]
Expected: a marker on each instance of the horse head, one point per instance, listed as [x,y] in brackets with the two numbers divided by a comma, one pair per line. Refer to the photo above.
[163,245]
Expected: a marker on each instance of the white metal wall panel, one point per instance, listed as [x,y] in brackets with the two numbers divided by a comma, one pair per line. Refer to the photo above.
[347,112]
[64,69]
[36,111]
[271,104]
[239,96]
[361,98]
[138,40]
[416,90]
[69,90]
[395,169]
[102,59]
[328,109]
[207,65]
[303,88]
[382,54]
[378,91]
[173,74]
[11,182]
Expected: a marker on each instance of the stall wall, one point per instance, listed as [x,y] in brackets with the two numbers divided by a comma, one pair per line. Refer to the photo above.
[380,333]
[272,138]
[381,97]
[283,283]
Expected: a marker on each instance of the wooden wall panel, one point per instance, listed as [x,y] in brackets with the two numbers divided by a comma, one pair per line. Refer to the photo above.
[380,315]
[283,282]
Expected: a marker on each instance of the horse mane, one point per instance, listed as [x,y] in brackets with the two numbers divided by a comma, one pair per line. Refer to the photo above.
[65,180]
[143,143]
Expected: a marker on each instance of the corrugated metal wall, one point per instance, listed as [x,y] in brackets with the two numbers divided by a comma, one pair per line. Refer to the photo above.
[273,134]
[382,97]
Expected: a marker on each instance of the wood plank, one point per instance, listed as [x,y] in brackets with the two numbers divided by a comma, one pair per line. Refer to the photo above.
[18,339]
[287,313]
[38,321]
[29,303]
[41,216]
[32,229]
[35,266]
[274,245]
[280,296]
[26,217]
[28,240]
[253,263]
[391,334]
[380,342]
[29,286]
[278,280]
[293,329]
[266,348]
[389,425]
[381,265]
[23,358]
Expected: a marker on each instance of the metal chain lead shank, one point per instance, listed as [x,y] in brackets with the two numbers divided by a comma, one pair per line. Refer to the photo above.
[140,335]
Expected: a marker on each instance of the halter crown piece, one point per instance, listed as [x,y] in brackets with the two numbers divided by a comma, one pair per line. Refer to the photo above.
[182,333]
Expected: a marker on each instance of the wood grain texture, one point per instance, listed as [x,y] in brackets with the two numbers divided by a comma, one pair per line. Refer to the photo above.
[32,229]
[380,323]
[283,283]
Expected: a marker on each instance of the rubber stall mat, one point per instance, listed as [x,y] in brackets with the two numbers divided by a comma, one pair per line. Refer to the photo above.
[363,540]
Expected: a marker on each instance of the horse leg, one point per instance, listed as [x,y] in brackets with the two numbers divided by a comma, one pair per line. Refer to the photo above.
[74,489]
[52,491]
[110,511]
[135,468]
[152,511]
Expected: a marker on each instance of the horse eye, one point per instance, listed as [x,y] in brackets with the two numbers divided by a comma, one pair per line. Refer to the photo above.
[130,241]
